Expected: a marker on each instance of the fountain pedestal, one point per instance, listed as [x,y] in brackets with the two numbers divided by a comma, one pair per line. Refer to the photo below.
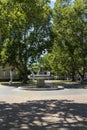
[40,83]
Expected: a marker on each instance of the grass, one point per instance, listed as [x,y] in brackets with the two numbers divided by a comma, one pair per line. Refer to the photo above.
[30,82]
[7,83]
[64,82]
[17,82]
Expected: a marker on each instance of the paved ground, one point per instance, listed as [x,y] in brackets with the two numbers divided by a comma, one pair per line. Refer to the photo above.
[64,109]
[11,94]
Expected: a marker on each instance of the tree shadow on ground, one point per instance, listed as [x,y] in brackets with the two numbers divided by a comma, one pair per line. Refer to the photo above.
[43,115]
[75,86]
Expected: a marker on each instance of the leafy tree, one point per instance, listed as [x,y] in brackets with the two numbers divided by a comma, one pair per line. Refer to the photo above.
[27,27]
[47,61]
[70,25]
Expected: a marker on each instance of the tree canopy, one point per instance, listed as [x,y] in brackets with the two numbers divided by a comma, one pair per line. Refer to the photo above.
[29,28]
[25,28]
[70,42]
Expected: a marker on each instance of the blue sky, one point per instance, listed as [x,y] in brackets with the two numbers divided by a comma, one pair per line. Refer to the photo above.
[53,0]
[52,3]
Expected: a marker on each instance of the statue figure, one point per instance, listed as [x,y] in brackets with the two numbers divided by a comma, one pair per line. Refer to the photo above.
[40,69]
[11,76]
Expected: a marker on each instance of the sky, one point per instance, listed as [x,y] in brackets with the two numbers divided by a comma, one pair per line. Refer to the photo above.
[53,0]
[52,3]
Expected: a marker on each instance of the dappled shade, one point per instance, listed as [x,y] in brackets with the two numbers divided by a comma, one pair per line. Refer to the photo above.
[43,115]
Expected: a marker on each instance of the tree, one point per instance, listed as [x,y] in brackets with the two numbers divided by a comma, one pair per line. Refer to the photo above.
[69,26]
[28,28]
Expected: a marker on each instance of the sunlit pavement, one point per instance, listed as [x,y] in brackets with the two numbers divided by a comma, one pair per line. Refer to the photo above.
[15,95]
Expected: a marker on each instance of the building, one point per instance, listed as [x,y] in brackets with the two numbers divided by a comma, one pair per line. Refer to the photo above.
[5,74]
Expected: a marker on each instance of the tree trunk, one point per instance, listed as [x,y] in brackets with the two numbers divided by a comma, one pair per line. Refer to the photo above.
[24,76]
[73,75]
[82,76]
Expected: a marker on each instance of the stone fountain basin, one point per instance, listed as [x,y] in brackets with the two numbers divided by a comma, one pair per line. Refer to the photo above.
[41,77]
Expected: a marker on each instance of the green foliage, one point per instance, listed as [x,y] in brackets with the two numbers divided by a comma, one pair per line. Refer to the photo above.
[69,26]
[25,29]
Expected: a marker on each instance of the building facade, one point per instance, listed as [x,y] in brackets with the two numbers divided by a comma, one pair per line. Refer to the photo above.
[5,74]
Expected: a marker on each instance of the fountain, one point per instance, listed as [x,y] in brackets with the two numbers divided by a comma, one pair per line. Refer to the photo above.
[41,77]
